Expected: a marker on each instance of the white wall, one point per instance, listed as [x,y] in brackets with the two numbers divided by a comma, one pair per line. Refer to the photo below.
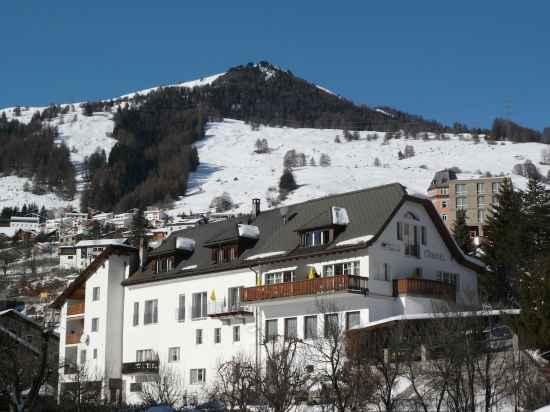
[169,332]
[434,257]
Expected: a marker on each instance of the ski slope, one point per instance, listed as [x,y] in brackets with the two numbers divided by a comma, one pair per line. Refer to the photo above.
[229,164]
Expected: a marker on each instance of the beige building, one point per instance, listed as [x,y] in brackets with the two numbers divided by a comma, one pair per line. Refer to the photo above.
[475,196]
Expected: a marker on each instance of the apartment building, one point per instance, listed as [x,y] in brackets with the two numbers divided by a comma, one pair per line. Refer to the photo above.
[475,196]
[220,289]
[84,252]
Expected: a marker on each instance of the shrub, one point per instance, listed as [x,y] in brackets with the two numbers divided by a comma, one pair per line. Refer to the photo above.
[222,203]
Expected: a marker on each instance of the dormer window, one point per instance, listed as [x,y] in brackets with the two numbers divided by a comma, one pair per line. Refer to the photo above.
[164,264]
[312,238]
[226,253]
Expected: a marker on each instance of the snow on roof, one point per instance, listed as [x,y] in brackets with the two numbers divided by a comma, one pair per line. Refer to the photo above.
[190,267]
[100,242]
[443,315]
[355,240]
[249,231]
[266,255]
[185,243]
[24,219]
[340,216]
[8,231]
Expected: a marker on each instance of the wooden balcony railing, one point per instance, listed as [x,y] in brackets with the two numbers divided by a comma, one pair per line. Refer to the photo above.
[151,366]
[73,338]
[424,287]
[305,287]
[75,308]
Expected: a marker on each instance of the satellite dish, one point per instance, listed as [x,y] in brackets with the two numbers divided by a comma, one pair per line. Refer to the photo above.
[85,339]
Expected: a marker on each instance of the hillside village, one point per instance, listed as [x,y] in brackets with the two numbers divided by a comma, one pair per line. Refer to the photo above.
[328,257]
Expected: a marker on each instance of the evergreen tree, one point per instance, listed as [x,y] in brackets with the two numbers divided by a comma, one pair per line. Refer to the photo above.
[287,183]
[505,247]
[536,206]
[534,319]
[139,227]
[461,232]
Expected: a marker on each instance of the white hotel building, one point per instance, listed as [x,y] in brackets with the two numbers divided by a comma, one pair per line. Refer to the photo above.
[216,290]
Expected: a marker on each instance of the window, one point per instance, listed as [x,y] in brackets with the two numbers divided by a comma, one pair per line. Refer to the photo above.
[481,201]
[217,335]
[495,187]
[271,329]
[424,235]
[444,203]
[353,319]
[236,333]
[150,314]
[279,277]
[460,202]
[83,253]
[339,269]
[410,237]
[199,308]
[291,328]
[448,277]
[95,293]
[95,353]
[386,272]
[418,272]
[197,376]
[331,324]
[164,264]
[224,254]
[135,387]
[444,217]
[444,191]
[198,336]
[95,324]
[310,327]
[399,231]
[82,356]
[135,320]
[174,354]
[234,298]
[494,200]
[181,308]
[481,188]
[481,216]
[315,238]
[460,189]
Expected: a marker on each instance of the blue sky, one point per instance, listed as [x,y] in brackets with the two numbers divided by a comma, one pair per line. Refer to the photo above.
[444,60]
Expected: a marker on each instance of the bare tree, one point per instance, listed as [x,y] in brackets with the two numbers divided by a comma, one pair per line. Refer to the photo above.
[25,368]
[283,380]
[343,373]
[235,383]
[166,388]
[81,389]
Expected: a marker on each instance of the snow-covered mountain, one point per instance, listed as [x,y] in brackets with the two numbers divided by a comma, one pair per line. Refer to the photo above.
[228,162]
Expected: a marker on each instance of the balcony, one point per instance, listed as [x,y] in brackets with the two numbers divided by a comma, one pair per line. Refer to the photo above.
[151,366]
[342,283]
[75,308]
[424,287]
[73,338]
[220,309]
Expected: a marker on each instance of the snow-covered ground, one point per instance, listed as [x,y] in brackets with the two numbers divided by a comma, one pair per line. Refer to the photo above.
[229,164]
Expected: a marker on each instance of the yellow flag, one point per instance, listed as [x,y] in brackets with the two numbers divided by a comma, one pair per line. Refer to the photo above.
[213,295]
[312,272]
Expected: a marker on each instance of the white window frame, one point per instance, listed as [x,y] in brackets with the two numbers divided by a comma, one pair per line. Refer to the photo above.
[313,332]
[197,376]
[217,335]
[175,350]
[150,317]
[236,333]
[199,306]
[96,293]
[199,337]
[95,325]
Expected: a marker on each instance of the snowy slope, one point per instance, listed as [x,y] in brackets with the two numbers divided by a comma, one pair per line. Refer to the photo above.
[229,164]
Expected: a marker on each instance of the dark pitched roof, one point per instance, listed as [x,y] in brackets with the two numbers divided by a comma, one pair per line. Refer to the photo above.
[442,178]
[369,211]
[90,270]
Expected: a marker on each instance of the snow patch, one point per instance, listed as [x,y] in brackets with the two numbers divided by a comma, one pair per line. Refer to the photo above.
[203,81]
[249,231]
[355,240]
[266,255]
[340,216]
[191,267]
[185,243]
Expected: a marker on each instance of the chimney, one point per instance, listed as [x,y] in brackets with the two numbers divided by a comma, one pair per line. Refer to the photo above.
[255,207]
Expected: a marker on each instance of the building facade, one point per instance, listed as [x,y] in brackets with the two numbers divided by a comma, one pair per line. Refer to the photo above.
[476,197]
[220,289]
